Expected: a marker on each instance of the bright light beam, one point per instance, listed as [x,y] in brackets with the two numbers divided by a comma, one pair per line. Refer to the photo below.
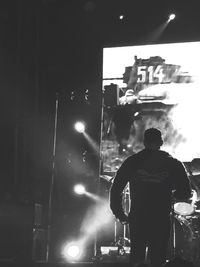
[79,189]
[93,196]
[154,35]
[97,217]
[92,143]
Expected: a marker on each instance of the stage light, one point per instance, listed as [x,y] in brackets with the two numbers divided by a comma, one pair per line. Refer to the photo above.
[171,17]
[121,17]
[79,189]
[72,251]
[79,127]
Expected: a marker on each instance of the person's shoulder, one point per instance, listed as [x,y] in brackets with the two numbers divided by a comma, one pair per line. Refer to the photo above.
[165,154]
[135,156]
[170,157]
[128,162]
[132,157]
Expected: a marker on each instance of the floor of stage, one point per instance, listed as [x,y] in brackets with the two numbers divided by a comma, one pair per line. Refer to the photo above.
[6,263]
[66,264]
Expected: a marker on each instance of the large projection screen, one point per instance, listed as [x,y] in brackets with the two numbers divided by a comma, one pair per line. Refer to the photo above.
[150,86]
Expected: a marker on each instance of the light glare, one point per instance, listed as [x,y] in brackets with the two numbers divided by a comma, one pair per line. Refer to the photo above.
[79,189]
[72,251]
[171,17]
[79,127]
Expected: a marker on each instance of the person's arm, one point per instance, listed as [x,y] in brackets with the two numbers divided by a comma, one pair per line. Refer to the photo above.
[116,192]
[182,188]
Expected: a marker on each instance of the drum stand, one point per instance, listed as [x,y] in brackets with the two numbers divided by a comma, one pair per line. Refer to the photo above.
[173,232]
[123,241]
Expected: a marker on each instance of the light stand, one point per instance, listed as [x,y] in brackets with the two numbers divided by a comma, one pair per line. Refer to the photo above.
[49,219]
[173,230]
[97,250]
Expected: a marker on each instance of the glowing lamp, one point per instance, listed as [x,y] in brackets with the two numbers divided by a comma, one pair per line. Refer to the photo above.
[171,17]
[72,251]
[79,189]
[79,127]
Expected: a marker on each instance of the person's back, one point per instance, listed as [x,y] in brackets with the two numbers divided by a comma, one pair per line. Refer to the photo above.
[153,175]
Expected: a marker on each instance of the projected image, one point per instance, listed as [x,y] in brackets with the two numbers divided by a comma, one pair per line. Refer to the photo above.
[150,86]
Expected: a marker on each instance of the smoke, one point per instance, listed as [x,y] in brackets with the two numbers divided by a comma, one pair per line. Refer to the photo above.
[97,218]
[185,143]
[179,124]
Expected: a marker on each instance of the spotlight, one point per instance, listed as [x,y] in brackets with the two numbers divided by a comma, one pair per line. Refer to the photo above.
[72,251]
[171,17]
[79,189]
[79,127]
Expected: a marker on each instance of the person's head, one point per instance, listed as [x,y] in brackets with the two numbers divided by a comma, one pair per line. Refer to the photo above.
[153,139]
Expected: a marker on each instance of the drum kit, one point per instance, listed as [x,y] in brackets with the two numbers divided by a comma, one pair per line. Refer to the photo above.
[185,234]
[185,238]
[121,232]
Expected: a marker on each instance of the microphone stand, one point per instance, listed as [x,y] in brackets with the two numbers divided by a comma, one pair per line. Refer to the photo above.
[49,214]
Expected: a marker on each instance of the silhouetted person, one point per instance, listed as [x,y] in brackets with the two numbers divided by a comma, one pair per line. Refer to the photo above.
[154,177]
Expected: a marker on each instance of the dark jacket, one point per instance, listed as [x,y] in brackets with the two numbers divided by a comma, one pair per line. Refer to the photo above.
[153,176]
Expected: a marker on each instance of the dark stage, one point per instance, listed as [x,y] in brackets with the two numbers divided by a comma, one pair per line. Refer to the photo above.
[54,264]
[117,68]
[80,264]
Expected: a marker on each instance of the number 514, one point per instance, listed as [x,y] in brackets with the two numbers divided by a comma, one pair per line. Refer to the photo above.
[150,74]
